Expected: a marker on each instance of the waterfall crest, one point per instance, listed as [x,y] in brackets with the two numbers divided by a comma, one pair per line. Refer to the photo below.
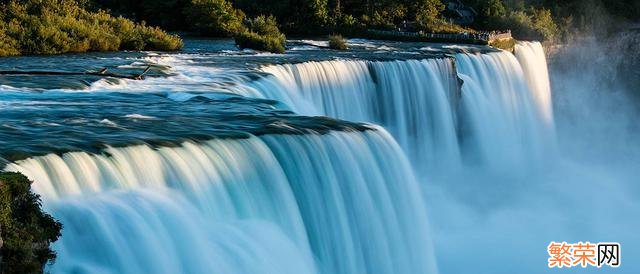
[500,115]
[414,99]
[268,198]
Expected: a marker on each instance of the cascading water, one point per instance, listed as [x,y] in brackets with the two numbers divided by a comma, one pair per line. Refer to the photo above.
[414,99]
[534,65]
[501,116]
[503,125]
[159,231]
[256,205]
[257,188]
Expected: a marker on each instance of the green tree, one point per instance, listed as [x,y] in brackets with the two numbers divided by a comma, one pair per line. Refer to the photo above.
[428,12]
[298,16]
[494,8]
[26,231]
[213,17]
[320,11]
[262,33]
[544,24]
[431,8]
[8,45]
[59,26]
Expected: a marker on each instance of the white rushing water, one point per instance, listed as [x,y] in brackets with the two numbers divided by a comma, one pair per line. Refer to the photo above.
[333,203]
[502,126]
[413,99]
[499,117]
[534,65]
[477,130]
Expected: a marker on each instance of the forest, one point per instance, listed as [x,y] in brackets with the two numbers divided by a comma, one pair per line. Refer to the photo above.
[547,19]
[58,26]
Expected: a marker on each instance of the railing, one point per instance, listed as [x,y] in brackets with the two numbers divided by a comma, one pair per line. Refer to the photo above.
[475,36]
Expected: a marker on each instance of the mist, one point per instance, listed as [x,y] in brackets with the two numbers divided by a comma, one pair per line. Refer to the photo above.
[597,97]
[501,221]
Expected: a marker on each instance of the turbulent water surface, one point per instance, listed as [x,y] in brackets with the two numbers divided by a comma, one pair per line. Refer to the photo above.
[387,158]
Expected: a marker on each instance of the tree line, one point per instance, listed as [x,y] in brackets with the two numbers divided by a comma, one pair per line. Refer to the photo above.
[56,26]
[530,19]
[30,27]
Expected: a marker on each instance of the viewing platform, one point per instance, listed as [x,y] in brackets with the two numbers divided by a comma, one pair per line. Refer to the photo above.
[476,38]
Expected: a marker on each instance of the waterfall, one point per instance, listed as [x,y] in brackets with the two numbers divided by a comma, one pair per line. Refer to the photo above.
[414,99]
[304,194]
[340,202]
[161,232]
[502,126]
[500,117]
[534,64]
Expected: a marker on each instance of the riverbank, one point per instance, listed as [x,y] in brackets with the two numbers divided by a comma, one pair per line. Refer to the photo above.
[25,230]
[496,39]
[55,27]
[67,26]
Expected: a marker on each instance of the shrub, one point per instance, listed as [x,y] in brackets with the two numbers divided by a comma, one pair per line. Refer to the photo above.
[428,18]
[348,21]
[429,9]
[26,231]
[439,25]
[521,25]
[213,17]
[528,22]
[264,25]
[505,44]
[262,33]
[59,26]
[8,45]
[156,39]
[337,42]
[533,24]
[378,20]
[252,40]
[543,23]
